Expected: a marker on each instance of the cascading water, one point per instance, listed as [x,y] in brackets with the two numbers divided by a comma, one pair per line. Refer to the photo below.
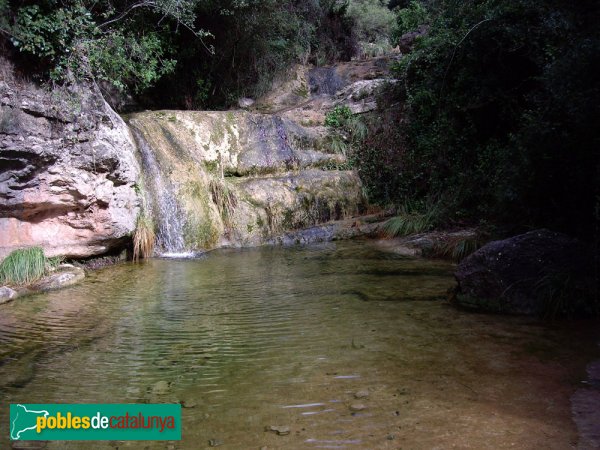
[161,201]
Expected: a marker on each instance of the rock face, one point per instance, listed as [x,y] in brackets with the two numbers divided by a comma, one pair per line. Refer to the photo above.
[67,171]
[235,178]
[311,92]
[534,273]
[74,177]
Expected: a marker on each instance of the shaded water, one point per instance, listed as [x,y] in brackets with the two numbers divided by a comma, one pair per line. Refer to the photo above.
[288,337]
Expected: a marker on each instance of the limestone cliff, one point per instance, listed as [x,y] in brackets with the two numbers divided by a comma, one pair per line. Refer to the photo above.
[74,177]
[238,178]
[67,170]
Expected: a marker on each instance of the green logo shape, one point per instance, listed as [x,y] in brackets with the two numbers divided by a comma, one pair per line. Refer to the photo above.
[95,422]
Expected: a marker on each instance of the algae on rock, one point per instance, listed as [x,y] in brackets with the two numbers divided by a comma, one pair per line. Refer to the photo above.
[238,178]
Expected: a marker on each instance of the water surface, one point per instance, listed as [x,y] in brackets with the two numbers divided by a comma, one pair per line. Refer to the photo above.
[289,337]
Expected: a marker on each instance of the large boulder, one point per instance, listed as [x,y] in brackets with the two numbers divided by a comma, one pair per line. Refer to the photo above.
[537,273]
[68,170]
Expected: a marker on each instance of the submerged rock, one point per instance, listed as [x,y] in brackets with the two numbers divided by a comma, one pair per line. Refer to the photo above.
[361,394]
[534,273]
[161,388]
[279,430]
[65,275]
[7,294]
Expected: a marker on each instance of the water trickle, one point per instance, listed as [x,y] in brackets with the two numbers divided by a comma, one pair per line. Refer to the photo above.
[161,202]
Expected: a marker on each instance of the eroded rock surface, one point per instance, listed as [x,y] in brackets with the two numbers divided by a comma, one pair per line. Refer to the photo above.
[237,178]
[67,171]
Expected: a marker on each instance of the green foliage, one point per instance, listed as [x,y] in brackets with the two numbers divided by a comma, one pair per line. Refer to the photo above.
[133,44]
[96,41]
[373,21]
[254,42]
[410,18]
[348,131]
[338,117]
[24,266]
[496,106]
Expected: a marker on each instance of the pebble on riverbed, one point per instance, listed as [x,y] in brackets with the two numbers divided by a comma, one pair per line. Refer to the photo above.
[279,430]
[357,407]
[361,394]
[186,404]
[161,388]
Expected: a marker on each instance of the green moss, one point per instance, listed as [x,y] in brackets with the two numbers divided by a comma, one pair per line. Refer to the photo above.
[201,233]
[211,166]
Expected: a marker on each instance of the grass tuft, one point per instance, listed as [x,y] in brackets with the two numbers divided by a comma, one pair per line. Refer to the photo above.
[457,248]
[411,220]
[24,266]
[225,199]
[144,238]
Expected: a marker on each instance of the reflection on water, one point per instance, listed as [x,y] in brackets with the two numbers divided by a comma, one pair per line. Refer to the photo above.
[347,346]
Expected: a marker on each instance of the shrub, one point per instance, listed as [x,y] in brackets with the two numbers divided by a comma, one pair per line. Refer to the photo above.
[338,116]
[495,112]
[373,21]
[144,238]
[24,266]
[410,18]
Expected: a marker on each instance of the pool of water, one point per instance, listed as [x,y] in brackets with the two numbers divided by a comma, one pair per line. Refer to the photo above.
[290,338]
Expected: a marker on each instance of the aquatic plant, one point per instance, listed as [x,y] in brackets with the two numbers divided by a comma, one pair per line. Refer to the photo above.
[24,266]
[144,237]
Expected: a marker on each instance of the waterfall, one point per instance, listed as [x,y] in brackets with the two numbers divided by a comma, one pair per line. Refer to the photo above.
[161,202]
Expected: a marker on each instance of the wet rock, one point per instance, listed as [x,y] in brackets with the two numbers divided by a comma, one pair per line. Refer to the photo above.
[7,294]
[188,404]
[65,275]
[361,394]
[161,387]
[355,407]
[520,275]
[279,430]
